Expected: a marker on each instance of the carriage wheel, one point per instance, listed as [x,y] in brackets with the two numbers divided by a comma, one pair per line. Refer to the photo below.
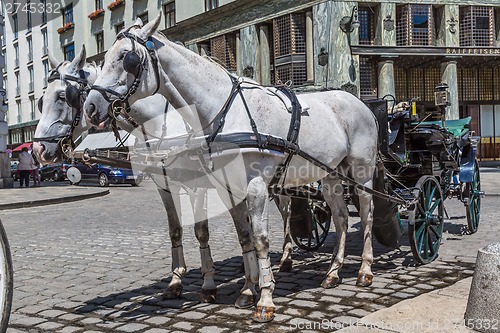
[473,206]
[6,281]
[318,228]
[427,220]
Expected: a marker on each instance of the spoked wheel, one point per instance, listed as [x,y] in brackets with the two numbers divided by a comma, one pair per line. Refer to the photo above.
[6,280]
[318,226]
[473,205]
[427,220]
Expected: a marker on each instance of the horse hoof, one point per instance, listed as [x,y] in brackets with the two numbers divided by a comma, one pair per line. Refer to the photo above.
[330,282]
[208,295]
[173,292]
[286,266]
[245,301]
[364,280]
[263,314]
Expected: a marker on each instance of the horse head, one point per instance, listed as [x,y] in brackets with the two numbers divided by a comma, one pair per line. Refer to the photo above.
[129,72]
[61,107]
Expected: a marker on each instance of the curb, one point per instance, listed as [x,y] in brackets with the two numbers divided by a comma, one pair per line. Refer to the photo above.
[43,202]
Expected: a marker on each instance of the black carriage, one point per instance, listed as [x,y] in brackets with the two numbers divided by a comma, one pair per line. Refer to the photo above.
[421,163]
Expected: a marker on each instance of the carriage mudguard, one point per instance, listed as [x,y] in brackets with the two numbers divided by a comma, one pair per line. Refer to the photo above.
[467,160]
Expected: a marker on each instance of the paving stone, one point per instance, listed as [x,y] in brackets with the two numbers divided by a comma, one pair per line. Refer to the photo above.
[131,327]
[402,295]
[49,326]
[424,287]
[304,304]
[157,330]
[157,320]
[28,321]
[192,315]
[358,313]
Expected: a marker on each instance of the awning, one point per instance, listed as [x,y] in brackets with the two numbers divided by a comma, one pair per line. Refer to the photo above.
[22,145]
[106,140]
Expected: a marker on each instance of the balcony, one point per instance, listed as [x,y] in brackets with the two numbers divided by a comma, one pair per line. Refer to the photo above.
[66,27]
[115,4]
[95,14]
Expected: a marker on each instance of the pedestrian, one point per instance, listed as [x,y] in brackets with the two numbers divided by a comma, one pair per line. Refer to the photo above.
[25,165]
[36,172]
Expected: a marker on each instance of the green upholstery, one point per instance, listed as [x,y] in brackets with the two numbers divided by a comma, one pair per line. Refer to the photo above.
[457,127]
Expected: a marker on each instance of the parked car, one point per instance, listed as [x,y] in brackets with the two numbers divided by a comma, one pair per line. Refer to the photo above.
[56,172]
[106,175]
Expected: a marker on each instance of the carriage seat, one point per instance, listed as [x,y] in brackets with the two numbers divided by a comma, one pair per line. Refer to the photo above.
[457,127]
[286,100]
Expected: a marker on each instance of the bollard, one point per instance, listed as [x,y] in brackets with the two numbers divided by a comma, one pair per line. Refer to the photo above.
[483,306]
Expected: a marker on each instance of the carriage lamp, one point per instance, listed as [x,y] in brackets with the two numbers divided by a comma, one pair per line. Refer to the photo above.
[348,24]
[441,95]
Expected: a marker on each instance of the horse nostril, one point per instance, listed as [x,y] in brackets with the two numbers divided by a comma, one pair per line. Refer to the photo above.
[91,109]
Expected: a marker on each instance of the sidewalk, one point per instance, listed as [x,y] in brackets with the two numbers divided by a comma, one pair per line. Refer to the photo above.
[440,310]
[48,193]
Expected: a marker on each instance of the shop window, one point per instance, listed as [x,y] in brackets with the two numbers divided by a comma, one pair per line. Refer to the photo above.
[366,16]
[415,25]
[477,26]
[289,36]
[223,48]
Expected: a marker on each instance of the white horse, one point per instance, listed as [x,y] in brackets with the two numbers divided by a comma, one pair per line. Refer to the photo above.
[57,127]
[340,131]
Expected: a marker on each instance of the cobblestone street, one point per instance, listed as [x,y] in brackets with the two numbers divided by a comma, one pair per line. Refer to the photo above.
[101,264]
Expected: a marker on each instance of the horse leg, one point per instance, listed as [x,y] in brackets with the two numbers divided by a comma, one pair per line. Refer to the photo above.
[334,197]
[257,200]
[170,197]
[365,275]
[198,202]
[248,294]
[283,203]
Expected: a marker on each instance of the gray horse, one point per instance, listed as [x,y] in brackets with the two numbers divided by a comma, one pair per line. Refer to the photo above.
[57,125]
[340,132]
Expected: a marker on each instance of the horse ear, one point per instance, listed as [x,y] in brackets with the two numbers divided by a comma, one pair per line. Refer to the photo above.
[150,28]
[79,61]
[52,61]
[138,22]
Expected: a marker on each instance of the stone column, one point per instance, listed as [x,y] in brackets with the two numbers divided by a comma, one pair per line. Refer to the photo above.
[309,48]
[341,69]
[449,76]
[385,30]
[6,180]
[265,56]
[250,59]
[239,68]
[386,78]
[448,34]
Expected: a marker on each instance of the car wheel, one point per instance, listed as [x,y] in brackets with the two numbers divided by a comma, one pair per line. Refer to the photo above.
[56,176]
[103,180]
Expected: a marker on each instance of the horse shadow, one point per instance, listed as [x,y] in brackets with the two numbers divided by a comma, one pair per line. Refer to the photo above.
[308,271]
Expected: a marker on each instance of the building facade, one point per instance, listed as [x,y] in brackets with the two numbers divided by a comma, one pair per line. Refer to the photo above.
[398,48]
[370,48]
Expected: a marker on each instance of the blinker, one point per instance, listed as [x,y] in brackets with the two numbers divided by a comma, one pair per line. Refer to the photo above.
[132,63]
[40,104]
[73,97]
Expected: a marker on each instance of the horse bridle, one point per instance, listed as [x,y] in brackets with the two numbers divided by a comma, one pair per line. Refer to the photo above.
[74,98]
[132,64]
